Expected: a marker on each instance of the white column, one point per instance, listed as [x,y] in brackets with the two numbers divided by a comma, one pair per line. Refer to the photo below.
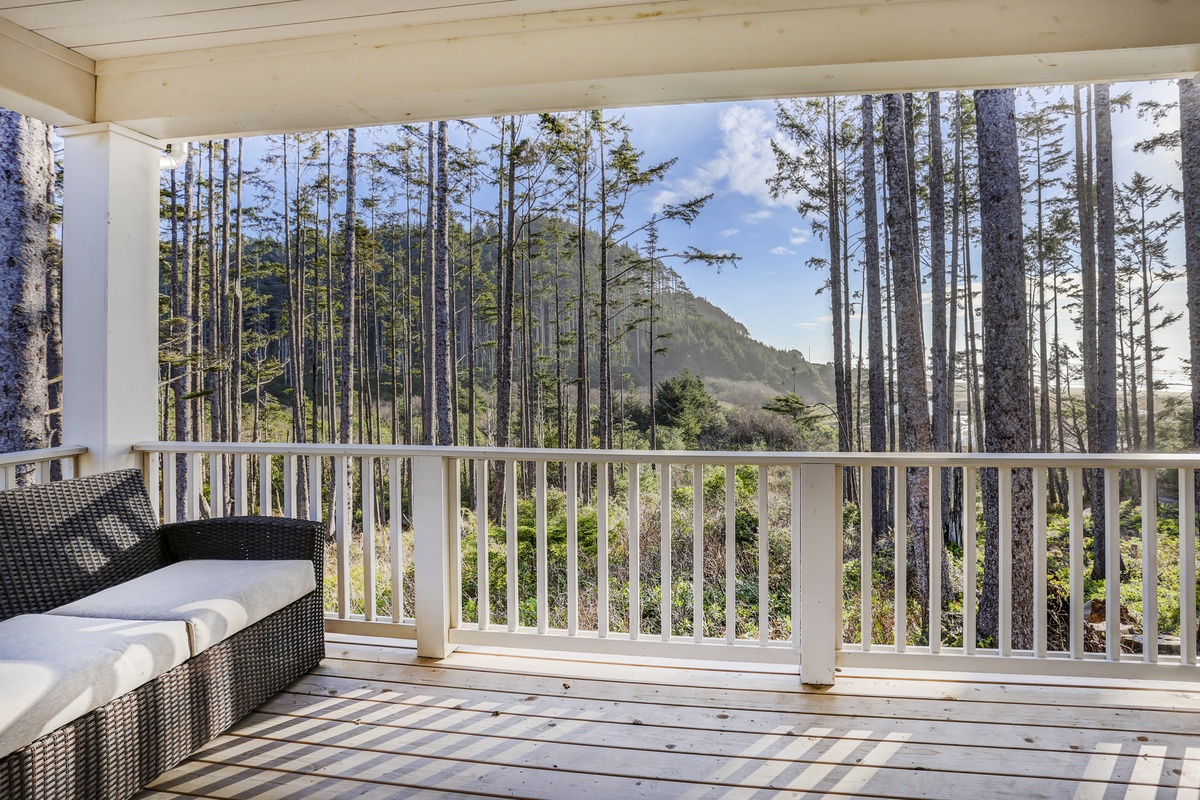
[431,556]
[820,572]
[110,293]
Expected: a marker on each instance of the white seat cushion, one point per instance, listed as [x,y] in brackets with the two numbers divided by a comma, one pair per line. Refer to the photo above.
[54,669]
[215,598]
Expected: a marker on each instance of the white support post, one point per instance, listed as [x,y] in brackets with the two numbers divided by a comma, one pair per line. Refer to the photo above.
[110,293]
[820,572]
[431,554]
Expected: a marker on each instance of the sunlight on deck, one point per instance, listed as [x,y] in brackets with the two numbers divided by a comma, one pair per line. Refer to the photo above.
[374,721]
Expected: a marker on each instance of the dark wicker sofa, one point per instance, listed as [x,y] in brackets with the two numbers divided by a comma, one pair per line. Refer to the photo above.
[64,541]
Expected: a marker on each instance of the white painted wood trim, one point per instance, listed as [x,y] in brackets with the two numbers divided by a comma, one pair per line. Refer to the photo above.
[431,557]
[820,573]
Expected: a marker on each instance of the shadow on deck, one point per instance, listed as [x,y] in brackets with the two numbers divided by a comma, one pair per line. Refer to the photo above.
[374,721]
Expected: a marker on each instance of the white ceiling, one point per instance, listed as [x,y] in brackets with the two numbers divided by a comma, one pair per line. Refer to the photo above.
[105,29]
[207,68]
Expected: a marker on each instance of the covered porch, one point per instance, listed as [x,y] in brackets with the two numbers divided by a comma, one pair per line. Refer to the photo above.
[427,690]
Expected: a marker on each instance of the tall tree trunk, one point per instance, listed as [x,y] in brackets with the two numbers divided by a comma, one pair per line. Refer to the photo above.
[1005,359]
[238,313]
[1189,124]
[428,295]
[1106,315]
[349,289]
[877,405]
[26,204]
[441,289]
[942,391]
[837,307]
[915,433]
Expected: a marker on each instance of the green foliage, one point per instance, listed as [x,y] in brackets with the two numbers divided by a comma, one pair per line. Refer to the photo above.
[684,403]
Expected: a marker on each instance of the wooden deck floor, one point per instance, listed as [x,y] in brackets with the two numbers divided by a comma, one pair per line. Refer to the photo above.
[374,721]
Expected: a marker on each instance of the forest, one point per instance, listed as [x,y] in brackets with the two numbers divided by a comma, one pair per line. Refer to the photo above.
[382,296]
[991,285]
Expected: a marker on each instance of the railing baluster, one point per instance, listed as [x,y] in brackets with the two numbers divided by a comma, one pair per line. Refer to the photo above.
[543,584]
[42,471]
[866,530]
[192,507]
[239,485]
[314,489]
[341,521]
[900,579]
[698,553]
[265,503]
[396,535]
[764,547]
[601,548]
[730,553]
[1187,566]
[1039,562]
[1004,627]
[367,484]
[153,479]
[1075,527]
[483,577]
[970,532]
[571,468]
[935,559]
[216,484]
[289,486]
[664,552]
[1112,565]
[1149,565]
[794,514]
[635,550]
[510,520]
[454,546]
[170,492]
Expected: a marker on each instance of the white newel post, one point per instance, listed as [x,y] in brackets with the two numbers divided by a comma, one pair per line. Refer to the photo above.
[820,572]
[431,556]
[110,293]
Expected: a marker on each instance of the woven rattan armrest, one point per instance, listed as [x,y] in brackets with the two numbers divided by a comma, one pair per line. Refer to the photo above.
[246,538]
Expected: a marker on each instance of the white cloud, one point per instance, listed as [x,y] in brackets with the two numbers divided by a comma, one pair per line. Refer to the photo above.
[755,217]
[782,251]
[809,326]
[799,237]
[743,163]
[729,232]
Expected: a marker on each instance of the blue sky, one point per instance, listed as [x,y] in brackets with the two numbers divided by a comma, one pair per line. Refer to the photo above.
[724,148]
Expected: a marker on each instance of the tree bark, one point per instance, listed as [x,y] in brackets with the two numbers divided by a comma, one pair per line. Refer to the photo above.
[1189,128]
[444,358]
[913,397]
[26,205]
[349,289]
[1106,315]
[876,368]
[1005,359]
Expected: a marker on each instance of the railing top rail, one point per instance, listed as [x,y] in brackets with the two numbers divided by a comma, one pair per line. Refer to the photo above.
[44,454]
[1057,460]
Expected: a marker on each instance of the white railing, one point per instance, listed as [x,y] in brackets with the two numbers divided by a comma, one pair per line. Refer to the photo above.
[39,466]
[550,532]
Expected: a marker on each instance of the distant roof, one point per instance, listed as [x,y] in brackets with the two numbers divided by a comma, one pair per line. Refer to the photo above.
[210,68]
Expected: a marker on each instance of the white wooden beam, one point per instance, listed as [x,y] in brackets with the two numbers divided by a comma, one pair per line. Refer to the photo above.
[110,293]
[679,51]
[42,79]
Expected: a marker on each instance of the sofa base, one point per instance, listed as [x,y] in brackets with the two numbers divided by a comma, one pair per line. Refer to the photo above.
[114,751]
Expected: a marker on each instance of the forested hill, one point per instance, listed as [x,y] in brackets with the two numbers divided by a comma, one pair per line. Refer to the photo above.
[691,333]
[708,342]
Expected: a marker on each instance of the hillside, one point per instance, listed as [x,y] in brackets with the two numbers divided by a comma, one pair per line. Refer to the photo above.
[704,339]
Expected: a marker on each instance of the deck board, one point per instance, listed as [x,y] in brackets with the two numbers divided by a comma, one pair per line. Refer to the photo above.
[375,721]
